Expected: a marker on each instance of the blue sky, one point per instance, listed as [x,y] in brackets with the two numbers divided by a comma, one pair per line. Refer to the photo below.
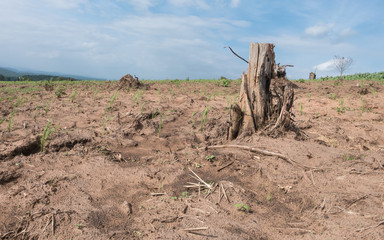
[158,39]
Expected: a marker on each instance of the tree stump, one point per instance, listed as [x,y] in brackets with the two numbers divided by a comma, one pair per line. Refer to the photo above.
[312,76]
[266,96]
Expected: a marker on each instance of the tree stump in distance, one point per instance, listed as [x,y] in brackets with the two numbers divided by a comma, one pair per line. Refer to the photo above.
[312,76]
[265,96]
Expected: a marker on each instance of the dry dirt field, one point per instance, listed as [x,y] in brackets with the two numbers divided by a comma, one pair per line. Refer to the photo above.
[79,160]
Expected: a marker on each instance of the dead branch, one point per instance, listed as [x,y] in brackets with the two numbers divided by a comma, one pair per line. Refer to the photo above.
[357,200]
[264,152]
[195,229]
[373,226]
[229,164]
[236,54]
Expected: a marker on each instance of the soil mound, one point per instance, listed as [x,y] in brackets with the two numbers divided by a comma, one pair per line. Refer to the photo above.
[128,81]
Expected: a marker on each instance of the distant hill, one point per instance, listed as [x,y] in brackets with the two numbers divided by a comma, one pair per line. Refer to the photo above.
[8,72]
[11,74]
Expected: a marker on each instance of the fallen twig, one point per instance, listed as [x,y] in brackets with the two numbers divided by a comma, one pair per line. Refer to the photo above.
[49,221]
[298,229]
[209,186]
[355,201]
[381,165]
[195,229]
[264,152]
[6,234]
[225,194]
[373,226]
[157,194]
[229,164]
[312,178]
[53,224]
[322,206]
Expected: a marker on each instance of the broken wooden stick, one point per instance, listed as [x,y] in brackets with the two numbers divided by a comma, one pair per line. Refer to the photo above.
[195,229]
[229,164]
[236,54]
[261,151]
[157,194]
[209,186]
[373,226]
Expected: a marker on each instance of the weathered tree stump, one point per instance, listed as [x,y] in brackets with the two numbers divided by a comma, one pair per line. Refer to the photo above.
[266,96]
[312,76]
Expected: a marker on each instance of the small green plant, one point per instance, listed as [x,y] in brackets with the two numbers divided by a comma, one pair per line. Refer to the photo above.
[10,121]
[112,100]
[362,105]
[269,197]
[59,91]
[47,105]
[73,95]
[95,92]
[332,96]
[210,158]
[137,96]
[374,91]
[142,106]
[309,97]
[47,131]
[185,194]
[350,157]
[106,119]
[160,123]
[341,108]
[79,226]
[301,108]
[36,112]
[193,120]
[139,234]
[204,118]
[225,81]
[242,207]
[19,102]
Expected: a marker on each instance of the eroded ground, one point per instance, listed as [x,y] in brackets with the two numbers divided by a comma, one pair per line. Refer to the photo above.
[116,164]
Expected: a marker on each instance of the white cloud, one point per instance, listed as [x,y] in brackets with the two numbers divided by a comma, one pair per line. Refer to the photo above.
[347,32]
[190,3]
[234,3]
[65,4]
[327,66]
[319,30]
[141,4]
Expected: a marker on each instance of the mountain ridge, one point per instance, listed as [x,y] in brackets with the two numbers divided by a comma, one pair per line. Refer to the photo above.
[14,73]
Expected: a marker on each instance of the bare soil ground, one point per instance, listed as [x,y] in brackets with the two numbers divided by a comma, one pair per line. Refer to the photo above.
[117,167]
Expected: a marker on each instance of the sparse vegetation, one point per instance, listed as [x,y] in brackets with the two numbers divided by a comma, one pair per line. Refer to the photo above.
[10,121]
[225,81]
[341,108]
[59,91]
[112,100]
[210,158]
[243,207]
[73,95]
[301,108]
[137,96]
[47,131]
[204,118]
